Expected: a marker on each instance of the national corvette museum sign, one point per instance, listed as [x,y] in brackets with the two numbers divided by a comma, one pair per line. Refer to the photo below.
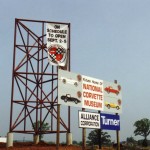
[92,93]
[87,92]
[57,43]
[79,90]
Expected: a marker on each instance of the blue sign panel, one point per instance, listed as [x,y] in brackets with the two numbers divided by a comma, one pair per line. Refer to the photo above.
[110,122]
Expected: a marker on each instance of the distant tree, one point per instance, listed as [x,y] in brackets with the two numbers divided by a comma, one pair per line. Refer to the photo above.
[94,137]
[130,140]
[142,129]
[74,142]
[80,143]
[44,127]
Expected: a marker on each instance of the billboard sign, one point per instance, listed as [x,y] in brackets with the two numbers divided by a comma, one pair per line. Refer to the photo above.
[92,93]
[79,90]
[110,121]
[112,97]
[57,43]
[89,120]
[69,88]
[87,92]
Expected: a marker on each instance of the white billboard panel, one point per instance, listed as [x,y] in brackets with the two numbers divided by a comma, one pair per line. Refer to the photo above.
[112,97]
[89,120]
[92,92]
[79,90]
[87,92]
[69,88]
[57,43]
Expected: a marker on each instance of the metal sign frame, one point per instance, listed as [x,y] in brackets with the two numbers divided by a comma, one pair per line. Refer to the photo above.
[34,81]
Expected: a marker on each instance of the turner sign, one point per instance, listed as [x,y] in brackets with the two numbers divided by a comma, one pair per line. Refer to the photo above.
[89,120]
[110,122]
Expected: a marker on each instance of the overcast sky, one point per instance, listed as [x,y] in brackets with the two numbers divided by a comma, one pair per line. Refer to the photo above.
[110,40]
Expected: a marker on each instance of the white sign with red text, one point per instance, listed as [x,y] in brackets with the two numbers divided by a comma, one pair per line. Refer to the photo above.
[92,91]
[80,91]
[87,92]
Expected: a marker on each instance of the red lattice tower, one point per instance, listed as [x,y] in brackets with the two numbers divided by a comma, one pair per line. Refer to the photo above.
[34,81]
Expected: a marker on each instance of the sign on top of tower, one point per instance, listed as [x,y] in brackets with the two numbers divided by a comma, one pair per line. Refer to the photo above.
[57,43]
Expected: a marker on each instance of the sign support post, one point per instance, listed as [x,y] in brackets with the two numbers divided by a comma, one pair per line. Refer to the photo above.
[117,131]
[118,140]
[83,135]
[58,127]
[99,134]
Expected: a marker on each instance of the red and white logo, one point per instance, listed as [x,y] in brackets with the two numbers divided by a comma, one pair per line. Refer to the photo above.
[57,55]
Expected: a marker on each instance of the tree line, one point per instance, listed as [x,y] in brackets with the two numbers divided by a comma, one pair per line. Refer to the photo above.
[142,128]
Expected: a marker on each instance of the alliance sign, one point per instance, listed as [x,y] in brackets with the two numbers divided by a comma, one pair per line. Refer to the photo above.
[89,120]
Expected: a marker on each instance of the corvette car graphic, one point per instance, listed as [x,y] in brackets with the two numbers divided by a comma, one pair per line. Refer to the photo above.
[69,81]
[112,105]
[68,97]
[110,89]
